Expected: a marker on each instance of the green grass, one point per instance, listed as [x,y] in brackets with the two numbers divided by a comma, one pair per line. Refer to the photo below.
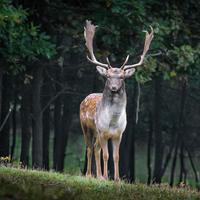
[75,155]
[18,184]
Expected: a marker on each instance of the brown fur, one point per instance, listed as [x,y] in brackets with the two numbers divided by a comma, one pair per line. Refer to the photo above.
[87,118]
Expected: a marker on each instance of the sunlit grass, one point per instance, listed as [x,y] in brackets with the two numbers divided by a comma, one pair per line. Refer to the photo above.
[75,155]
[31,184]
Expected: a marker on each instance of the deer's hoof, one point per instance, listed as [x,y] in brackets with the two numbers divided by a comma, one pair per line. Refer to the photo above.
[105,177]
[88,175]
[117,179]
[102,178]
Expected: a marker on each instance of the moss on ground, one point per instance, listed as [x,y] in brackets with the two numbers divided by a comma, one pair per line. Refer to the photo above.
[18,184]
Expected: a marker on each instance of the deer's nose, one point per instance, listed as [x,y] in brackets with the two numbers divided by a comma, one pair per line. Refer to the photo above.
[114,88]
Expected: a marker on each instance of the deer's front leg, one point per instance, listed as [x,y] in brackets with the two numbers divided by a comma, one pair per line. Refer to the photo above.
[116,144]
[104,146]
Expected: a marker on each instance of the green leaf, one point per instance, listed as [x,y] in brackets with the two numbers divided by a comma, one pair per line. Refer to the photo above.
[172,73]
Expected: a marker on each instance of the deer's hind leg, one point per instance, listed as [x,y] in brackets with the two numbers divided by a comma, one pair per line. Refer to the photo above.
[89,141]
[97,152]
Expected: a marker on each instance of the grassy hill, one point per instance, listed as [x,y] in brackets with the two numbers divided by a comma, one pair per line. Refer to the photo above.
[18,184]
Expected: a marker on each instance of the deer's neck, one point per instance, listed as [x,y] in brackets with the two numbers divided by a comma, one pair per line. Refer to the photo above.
[111,111]
[111,98]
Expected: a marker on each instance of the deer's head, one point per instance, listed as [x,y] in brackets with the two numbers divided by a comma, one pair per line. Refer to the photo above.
[115,76]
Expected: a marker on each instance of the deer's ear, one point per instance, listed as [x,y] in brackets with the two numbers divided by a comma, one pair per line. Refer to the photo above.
[101,70]
[129,72]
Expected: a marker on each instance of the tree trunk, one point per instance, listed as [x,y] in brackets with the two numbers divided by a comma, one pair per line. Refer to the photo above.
[26,124]
[57,119]
[1,88]
[37,139]
[171,148]
[158,155]
[57,131]
[46,123]
[14,126]
[174,162]
[66,122]
[193,168]
[183,173]
[150,137]
[133,132]
[46,137]
[180,131]
[5,122]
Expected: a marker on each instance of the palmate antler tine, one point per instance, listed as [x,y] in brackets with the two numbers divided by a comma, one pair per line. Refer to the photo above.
[148,39]
[89,32]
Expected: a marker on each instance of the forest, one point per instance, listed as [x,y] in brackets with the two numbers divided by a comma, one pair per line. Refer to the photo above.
[44,76]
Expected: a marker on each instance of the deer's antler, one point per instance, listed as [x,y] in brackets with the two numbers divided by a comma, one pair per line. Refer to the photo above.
[89,32]
[122,67]
[148,39]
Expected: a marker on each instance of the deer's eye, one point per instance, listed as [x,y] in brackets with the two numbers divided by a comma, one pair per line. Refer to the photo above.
[107,76]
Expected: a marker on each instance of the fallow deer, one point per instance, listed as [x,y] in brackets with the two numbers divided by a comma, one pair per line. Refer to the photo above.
[103,115]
